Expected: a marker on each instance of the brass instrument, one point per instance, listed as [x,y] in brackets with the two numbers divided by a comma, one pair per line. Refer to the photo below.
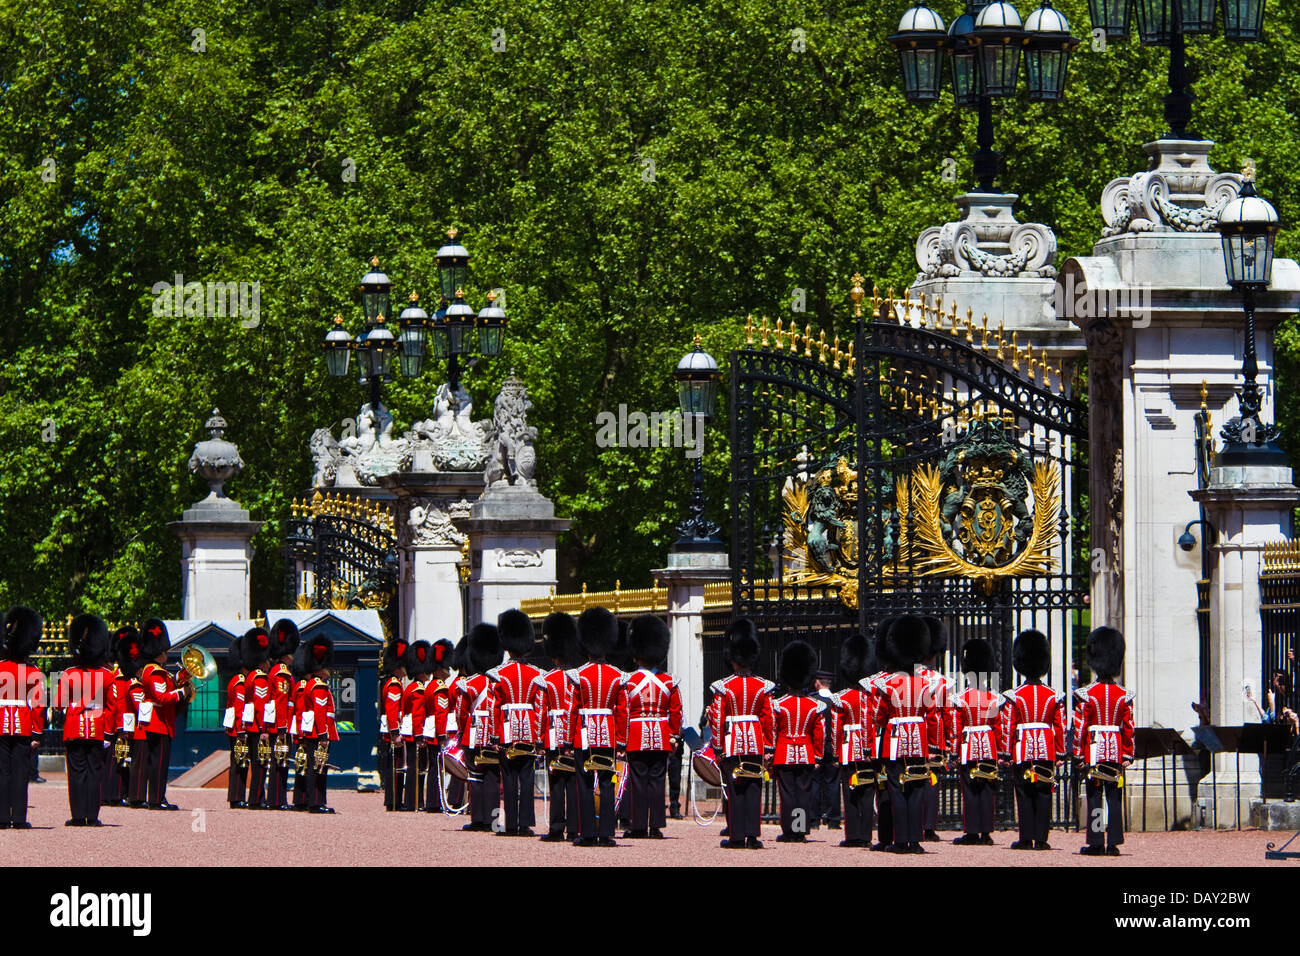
[263,751]
[486,757]
[1040,771]
[241,750]
[322,754]
[281,750]
[300,760]
[1107,773]
[864,776]
[521,749]
[600,760]
[122,751]
[913,772]
[198,662]
[749,767]
[563,763]
[984,770]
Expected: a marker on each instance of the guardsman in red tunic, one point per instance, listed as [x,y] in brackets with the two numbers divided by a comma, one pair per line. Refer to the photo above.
[873,685]
[284,644]
[1103,741]
[82,693]
[740,718]
[560,641]
[517,721]
[157,713]
[474,718]
[907,717]
[259,713]
[233,721]
[316,723]
[1034,722]
[800,740]
[297,739]
[853,737]
[977,743]
[940,690]
[439,721]
[593,726]
[117,768]
[392,756]
[22,710]
[419,664]
[653,705]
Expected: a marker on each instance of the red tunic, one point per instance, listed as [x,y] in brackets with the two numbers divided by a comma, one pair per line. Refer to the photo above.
[317,716]
[83,693]
[157,713]
[22,700]
[130,713]
[1034,723]
[907,717]
[516,710]
[299,708]
[653,706]
[281,681]
[853,725]
[116,694]
[940,689]
[473,701]
[390,706]
[1103,723]
[412,725]
[437,711]
[556,698]
[233,720]
[595,713]
[800,738]
[741,715]
[977,725]
[259,710]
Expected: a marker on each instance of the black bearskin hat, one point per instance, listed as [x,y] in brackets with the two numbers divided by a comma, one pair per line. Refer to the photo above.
[798,662]
[597,633]
[484,650]
[130,652]
[853,660]
[977,657]
[621,655]
[443,650]
[560,638]
[153,638]
[394,655]
[23,628]
[648,640]
[743,647]
[256,647]
[907,641]
[459,662]
[1030,655]
[1106,653]
[284,638]
[314,655]
[884,660]
[516,631]
[938,636]
[88,641]
[419,659]
[234,654]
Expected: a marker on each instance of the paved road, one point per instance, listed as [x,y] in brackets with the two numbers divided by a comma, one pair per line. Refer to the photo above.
[206,832]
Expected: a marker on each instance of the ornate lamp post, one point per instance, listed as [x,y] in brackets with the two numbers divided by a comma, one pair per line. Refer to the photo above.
[1168,23]
[697,380]
[1248,227]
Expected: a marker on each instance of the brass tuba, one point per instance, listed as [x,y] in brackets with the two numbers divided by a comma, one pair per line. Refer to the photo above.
[198,662]
[241,750]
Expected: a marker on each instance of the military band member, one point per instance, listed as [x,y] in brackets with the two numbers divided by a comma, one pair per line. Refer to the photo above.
[456,787]
[137,787]
[853,740]
[653,705]
[516,709]
[284,644]
[392,764]
[259,713]
[117,768]
[873,685]
[907,718]
[82,693]
[593,726]
[157,713]
[560,641]
[740,718]
[473,701]
[22,711]
[1034,722]
[439,721]
[316,724]
[233,721]
[419,664]
[800,740]
[940,690]
[1103,741]
[297,740]
[977,743]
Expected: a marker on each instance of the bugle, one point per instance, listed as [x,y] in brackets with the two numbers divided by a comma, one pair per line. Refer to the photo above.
[984,770]
[521,749]
[563,763]
[1107,773]
[749,767]
[486,757]
[1040,771]
[913,772]
[600,760]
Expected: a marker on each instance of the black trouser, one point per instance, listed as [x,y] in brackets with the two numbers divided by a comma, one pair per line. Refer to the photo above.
[907,800]
[588,781]
[826,791]
[859,806]
[563,790]
[34,761]
[675,778]
[1033,806]
[744,801]
[413,784]
[384,760]
[517,780]
[979,800]
[237,783]
[149,759]
[930,804]
[315,784]
[794,785]
[884,808]
[1113,830]
[15,752]
[278,788]
[116,778]
[85,772]
[432,786]
[646,770]
[455,791]
[256,773]
[484,792]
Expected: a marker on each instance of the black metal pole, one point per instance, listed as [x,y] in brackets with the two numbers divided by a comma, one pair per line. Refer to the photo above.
[1178,101]
[988,164]
[374,395]
[1250,400]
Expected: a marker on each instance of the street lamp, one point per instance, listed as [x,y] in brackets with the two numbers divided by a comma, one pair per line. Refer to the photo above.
[697,378]
[1248,227]
[1167,23]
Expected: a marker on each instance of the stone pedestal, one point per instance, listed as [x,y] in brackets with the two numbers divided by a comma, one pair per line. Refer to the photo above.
[512,530]
[685,577]
[216,557]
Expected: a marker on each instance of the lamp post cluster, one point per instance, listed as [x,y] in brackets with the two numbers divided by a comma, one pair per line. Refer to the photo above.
[1169,23]
[984,47]
[454,331]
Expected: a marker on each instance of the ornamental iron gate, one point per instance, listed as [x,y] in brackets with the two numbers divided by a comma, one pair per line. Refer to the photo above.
[923,468]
